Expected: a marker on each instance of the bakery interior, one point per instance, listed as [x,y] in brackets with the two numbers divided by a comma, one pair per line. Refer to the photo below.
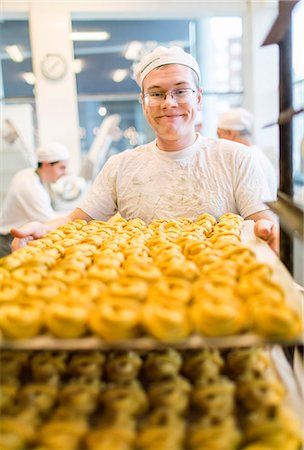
[78,372]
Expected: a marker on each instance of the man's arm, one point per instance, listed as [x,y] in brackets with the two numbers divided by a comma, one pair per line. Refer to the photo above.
[267,228]
[36,230]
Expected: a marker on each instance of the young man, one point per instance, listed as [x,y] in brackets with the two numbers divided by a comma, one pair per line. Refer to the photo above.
[27,197]
[236,125]
[180,173]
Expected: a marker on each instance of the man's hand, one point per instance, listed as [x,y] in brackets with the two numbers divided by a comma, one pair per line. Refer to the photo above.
[29,232]
[268,231]
[36,230]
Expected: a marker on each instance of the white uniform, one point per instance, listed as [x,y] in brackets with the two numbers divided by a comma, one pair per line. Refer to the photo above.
[27,200]
[267,169]
[212,176]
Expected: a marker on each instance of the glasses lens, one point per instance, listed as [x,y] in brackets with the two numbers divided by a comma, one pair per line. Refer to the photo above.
[178,96]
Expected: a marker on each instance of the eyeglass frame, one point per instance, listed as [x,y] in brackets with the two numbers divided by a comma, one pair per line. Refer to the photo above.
[164,95]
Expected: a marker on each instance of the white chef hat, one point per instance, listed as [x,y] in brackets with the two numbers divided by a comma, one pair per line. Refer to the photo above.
[164,55]
[52,152]
[238,119]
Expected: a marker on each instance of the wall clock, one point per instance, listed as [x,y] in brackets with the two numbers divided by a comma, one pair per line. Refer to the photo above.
[53,66]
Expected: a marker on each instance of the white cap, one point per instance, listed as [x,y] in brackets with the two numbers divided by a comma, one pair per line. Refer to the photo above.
[238,119]
[52,152]
[161,56]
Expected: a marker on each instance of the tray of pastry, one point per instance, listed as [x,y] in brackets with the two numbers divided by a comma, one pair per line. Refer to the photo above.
[163,399]
[129,285]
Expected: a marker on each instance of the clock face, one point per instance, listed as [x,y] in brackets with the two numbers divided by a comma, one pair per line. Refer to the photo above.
[53,66]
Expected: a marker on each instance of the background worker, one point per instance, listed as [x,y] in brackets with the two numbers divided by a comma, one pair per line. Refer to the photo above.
[28,198]
[236,125]
[180,173]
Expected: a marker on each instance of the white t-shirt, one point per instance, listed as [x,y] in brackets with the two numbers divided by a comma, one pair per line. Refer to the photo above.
[267,169]
[212,176]
[26,200]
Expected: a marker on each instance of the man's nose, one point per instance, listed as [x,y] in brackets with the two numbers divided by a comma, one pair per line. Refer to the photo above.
[169,98]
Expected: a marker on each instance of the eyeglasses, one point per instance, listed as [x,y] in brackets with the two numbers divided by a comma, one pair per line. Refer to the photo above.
[178,95]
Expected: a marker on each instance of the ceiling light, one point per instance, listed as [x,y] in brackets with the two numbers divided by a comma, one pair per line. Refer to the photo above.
[133,50]
[15,53]
[89,35]
[77,65]
[29,78]
[119,75]
[102,111]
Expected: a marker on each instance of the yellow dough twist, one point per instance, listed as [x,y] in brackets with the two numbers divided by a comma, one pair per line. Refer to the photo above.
[116,318]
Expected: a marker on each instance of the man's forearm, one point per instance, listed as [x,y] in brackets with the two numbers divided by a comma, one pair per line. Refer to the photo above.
[266,214]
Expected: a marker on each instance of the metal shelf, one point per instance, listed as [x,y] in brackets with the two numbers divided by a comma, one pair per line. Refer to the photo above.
[48,342]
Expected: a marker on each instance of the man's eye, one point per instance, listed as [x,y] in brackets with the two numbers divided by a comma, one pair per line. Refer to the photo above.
[180,91]
[156,94]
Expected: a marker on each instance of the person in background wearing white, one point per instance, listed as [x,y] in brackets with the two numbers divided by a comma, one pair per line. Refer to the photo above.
[27,198]
[236,125]
[179,174]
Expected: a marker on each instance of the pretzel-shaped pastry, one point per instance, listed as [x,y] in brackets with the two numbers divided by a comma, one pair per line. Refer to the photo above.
[143,271]
[67,319]
[127,397]
[21,320]
[172,393]
[123,366]
[181,269]
[10,290]
[92,289]
[46,290]
[104,274]
[275,322]
[162,364]
[170,290]
[216,398]
[116,318]
[214,433]
[68,273]
[132,288]
[62,434]
[4,274]
[262,392]
[28,274]
[221,314]
[163,429]
[166,323]
[202,365]
[274,427]
[247,361]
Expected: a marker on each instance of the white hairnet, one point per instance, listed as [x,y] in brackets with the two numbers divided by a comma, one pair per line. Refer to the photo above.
[238,119]
[52,152]
[161,56]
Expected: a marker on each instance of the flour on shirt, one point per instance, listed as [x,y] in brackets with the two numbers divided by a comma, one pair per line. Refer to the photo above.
[212,175]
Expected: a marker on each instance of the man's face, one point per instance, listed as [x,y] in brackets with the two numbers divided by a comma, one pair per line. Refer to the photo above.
[172,122]
[57,171]
[230,135]
[223,134]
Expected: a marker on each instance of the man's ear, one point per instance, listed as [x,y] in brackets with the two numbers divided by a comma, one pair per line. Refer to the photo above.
[141,99]
[199,99]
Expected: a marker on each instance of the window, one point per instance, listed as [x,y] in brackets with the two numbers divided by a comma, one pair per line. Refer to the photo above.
[298,102]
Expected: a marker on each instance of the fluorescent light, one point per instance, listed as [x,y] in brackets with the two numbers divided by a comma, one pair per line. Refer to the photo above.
[77,65]
[15,53]
[89,35]
[133,50]
[29,78]
[119,75]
